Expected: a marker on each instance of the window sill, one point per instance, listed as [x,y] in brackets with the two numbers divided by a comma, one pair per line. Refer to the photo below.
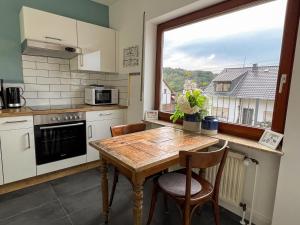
[232,139]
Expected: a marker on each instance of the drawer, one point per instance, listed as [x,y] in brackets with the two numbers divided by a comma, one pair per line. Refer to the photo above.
[12,123]
[104,115]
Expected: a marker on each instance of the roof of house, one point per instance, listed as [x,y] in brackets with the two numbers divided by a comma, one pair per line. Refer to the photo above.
[167,85]
[250,82]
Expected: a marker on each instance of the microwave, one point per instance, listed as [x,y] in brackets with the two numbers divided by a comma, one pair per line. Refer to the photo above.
[97,95]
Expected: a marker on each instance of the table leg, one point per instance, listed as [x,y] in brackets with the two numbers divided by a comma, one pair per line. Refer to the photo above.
[104,187]
[138,203]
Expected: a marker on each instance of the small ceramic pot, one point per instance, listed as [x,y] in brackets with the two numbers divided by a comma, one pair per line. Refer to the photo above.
[210,125]
[192,122]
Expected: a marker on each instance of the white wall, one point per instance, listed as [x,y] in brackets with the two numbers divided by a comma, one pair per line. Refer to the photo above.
[287,204]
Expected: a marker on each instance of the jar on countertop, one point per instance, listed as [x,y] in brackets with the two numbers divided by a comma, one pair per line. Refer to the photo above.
[210,125]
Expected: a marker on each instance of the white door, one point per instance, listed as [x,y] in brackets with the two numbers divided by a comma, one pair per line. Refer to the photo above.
[44,26]
[18,154]
[98,45]
[96,130]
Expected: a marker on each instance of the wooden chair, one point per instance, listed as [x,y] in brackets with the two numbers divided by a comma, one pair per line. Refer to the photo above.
[118,131]
[188,189]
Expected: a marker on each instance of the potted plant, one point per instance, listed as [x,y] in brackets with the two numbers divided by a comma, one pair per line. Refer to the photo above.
[191,106]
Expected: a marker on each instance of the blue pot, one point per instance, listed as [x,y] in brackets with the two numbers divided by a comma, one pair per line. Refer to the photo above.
[210,125]
[192,117]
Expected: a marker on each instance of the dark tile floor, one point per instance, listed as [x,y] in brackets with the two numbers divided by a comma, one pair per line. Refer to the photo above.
[76,200]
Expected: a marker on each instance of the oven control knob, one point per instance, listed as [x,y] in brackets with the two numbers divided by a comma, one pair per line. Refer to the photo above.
[79,117]
[53,118]
[66,118]
[58,118]
[71,117]
[76,117]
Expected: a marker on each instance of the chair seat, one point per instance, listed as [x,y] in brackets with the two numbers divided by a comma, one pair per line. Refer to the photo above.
[175,183]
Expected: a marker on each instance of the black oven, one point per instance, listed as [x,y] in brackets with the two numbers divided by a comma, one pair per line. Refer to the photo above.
[59,137]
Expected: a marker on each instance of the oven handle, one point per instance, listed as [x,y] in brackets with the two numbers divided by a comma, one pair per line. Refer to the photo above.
[60,126]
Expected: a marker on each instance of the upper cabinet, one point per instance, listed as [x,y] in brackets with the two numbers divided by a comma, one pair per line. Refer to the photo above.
[98,46]
[43,26]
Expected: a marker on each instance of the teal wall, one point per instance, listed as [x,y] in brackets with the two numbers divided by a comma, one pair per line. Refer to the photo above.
[10,52]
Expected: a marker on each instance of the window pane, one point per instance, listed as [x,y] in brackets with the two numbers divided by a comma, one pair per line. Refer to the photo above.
[233,58]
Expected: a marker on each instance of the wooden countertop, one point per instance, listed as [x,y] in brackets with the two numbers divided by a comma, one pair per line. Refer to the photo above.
[232,139]
[26,111]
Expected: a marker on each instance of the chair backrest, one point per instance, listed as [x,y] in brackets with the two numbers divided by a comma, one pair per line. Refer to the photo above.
[203,160]
[127,129]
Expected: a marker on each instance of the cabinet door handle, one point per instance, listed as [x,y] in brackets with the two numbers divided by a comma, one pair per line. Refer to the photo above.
[105,114]
[28,139]
[17,121]
[53,38]
[90,131]
[81,60]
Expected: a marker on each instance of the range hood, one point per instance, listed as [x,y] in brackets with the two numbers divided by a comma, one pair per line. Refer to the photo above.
[40,48]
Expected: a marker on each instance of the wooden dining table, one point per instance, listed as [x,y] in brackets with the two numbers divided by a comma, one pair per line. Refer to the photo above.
[143,154]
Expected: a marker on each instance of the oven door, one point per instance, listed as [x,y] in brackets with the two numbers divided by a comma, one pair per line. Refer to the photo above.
[59,141]
[103,97]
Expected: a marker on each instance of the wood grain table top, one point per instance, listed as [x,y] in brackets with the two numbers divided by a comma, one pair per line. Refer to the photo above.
[143,150]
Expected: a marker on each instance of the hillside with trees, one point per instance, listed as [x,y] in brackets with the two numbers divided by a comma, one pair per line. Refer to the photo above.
[175,78]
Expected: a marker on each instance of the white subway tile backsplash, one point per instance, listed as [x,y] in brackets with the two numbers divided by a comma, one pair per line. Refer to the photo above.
[49,95]
[36,87]
[30,80]
[61,87]
[29,65]
[37,101]
[64,68]
[46,80]
[84,76]
[29,72]
[34,58]
[65,81]
[30,94]
[47,66]
[58,61]
[77,88]
[42,73]
[59,74]
[49,81]
[96,76]
[73,94]
[61,101]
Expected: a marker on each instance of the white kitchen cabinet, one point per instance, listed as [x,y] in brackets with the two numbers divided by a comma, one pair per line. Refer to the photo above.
[43,26]
[98,127]
[98,45]
[17,148]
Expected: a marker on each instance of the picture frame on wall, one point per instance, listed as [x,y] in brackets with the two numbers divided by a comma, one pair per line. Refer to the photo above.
[271,139]
[151,115]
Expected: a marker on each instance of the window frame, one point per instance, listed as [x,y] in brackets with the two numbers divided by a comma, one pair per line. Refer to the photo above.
[286,62]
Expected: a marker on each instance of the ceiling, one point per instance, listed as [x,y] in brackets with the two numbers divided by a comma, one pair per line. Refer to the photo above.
[105,2]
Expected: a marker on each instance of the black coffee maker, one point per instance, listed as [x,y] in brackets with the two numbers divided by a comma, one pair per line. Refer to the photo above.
[13,97]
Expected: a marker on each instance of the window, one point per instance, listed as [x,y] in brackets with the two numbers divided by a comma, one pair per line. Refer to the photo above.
[235,60]
[222,87]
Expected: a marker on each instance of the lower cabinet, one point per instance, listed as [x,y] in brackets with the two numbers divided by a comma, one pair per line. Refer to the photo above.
[99,128]
[18,154]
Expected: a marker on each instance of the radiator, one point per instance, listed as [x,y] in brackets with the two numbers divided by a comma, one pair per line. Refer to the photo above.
[233,178]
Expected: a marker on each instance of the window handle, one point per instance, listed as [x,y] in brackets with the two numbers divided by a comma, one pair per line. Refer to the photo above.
[282,82]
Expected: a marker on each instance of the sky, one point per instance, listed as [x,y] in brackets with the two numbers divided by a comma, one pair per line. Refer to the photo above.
[240,38]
